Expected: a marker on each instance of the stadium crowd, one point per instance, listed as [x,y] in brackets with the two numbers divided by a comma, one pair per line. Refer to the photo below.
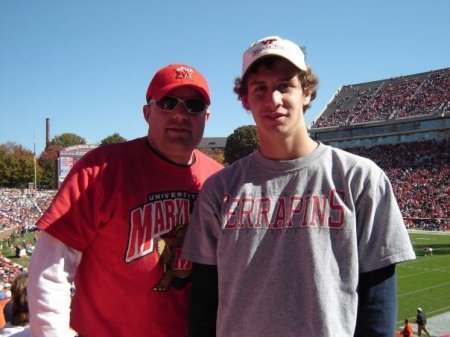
[419,173]
[389,99]
[19,210]
[22,207]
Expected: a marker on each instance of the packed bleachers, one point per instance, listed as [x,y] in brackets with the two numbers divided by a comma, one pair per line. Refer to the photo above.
[19,211]
[420,174]
[22,207]
[399,97]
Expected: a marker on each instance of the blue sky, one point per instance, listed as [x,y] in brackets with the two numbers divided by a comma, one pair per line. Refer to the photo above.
[86,64]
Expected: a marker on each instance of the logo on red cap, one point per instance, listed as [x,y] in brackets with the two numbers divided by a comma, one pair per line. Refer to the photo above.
[184,73]
[174,76]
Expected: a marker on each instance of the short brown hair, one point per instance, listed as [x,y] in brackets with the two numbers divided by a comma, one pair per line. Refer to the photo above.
[308,80]
[20,314]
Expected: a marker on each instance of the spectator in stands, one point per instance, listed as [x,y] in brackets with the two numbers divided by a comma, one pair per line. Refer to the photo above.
[18,325]
[297,236]
[116,226]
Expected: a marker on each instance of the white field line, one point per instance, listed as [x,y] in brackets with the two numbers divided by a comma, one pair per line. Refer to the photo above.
[423,289]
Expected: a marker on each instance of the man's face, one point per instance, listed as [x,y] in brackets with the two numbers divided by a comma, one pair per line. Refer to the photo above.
[276,99]
[175,134]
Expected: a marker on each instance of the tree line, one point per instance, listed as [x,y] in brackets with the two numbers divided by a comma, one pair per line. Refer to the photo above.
[19,167]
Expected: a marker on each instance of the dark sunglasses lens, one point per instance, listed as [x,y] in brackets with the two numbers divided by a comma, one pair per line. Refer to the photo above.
[195,105]
[167,103]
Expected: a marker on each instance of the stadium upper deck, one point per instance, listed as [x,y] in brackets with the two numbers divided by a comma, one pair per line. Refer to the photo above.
[405,96]
[403,109]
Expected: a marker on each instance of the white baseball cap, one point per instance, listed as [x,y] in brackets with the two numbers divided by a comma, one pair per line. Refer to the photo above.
[419,309]
[276,46]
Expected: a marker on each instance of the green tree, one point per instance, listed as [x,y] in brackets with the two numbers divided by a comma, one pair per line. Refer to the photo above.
[16,166]
[114,138]
[67,139]
[243,141]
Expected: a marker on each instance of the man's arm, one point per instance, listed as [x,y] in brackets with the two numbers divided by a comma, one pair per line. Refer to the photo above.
[51,272]
[377,305]
[204,301]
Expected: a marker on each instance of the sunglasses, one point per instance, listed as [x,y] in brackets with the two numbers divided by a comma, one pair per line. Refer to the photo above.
[193,106]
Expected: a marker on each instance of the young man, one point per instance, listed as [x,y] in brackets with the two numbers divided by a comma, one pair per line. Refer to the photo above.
[117,223]
[298,238]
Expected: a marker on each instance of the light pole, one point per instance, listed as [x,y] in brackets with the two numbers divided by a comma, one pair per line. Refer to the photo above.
[34,162]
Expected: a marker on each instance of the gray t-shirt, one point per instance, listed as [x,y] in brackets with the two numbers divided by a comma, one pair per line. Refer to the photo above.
[290,238]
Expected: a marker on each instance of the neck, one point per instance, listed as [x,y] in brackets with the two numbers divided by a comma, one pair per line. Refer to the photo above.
[287,149]
[181,160]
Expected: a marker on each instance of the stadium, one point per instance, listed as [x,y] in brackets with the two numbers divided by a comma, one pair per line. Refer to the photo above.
[402,123]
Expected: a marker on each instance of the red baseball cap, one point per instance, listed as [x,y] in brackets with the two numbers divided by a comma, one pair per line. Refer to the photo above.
[174,76]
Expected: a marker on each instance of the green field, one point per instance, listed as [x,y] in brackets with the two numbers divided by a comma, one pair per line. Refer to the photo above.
[425,282]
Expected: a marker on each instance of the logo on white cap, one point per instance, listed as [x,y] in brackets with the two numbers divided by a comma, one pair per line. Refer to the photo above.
[276,46]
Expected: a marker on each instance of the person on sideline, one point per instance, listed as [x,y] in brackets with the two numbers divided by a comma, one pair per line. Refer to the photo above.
[115,228]
[298,238]
[421,320]
[18,326]
[407,330]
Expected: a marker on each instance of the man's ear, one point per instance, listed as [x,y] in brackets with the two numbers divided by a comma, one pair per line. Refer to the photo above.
[207,115]
[244,100]
[146,112]
[306,96]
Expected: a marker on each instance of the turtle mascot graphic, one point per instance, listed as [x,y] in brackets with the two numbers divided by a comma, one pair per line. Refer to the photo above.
[169,249]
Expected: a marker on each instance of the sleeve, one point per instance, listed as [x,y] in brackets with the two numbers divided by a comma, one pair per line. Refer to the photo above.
[382,236]
[377,303]
[200,243]
[74,215]
[204,301]
[51,272]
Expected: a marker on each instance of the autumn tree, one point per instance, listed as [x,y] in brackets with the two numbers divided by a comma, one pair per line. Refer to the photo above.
[216,154]
[47,159]
[243,141]
[17,166]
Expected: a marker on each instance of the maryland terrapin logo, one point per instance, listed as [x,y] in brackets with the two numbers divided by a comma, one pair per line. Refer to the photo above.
[158,227]
[169,250]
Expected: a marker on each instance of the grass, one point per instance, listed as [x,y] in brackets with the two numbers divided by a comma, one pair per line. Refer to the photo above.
[10,251]
[425,282]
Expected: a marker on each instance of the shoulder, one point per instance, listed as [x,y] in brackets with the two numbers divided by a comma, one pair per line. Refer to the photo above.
[116,149]
[231,176]
[111,153]
[348,164]
[348,157]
